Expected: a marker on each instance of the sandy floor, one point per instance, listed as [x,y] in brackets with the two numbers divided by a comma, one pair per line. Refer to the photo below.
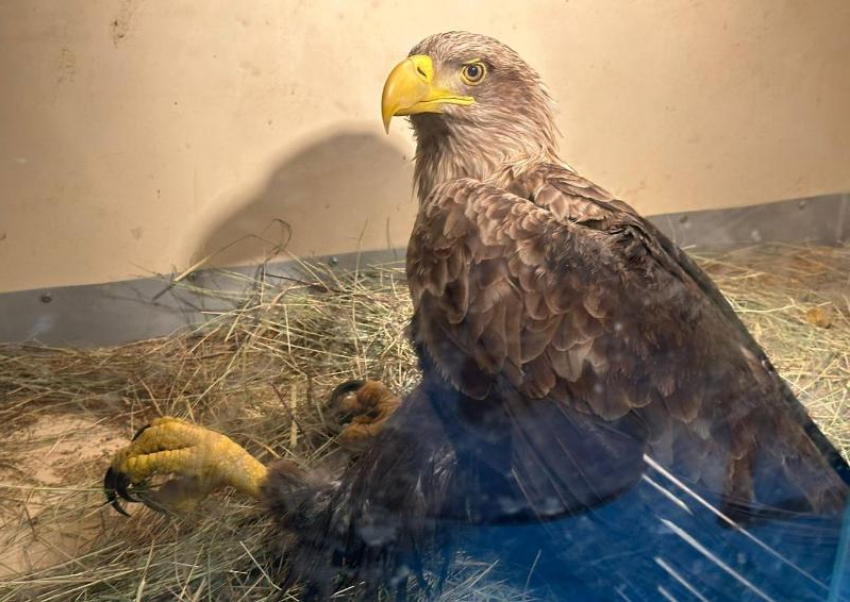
[55,452]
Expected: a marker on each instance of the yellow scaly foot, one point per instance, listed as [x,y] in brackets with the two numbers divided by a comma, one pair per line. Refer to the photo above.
[199,459]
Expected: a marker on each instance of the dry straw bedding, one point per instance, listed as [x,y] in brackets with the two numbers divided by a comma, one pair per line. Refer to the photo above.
[261,373]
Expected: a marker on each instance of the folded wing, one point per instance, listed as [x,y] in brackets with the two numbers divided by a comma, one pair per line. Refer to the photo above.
[602,341]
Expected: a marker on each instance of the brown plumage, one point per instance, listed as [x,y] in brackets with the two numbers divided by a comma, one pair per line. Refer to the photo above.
[562,337]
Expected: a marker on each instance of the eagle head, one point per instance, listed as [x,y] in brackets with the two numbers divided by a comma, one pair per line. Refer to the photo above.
[475,107]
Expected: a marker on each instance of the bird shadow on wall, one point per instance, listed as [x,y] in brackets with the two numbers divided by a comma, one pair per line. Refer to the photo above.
[340,193]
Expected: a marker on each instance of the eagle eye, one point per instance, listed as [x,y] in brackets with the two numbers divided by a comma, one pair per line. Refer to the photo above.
[473,73]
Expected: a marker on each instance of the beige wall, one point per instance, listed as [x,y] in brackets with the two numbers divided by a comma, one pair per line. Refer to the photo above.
[136,136]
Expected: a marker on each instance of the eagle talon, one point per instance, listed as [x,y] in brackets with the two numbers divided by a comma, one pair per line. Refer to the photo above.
[140,431]
[115,485]
[341,414]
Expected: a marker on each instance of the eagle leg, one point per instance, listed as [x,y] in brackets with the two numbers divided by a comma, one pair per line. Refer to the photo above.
[200,461]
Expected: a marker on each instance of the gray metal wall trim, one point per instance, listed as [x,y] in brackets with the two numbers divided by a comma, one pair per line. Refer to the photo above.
[132,310]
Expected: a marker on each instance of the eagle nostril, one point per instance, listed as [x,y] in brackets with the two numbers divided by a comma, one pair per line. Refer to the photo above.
[421,72]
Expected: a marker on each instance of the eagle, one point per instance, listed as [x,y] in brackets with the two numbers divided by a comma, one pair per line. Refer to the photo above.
[573,360]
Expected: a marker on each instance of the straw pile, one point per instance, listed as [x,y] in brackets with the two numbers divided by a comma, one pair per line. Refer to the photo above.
[249,372]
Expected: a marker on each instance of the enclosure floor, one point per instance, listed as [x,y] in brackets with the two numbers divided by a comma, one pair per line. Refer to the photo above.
[64,412]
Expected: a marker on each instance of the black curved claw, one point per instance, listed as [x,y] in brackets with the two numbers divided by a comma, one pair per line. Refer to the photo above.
[140,431]
[115,485]
[344,388]
[339,391]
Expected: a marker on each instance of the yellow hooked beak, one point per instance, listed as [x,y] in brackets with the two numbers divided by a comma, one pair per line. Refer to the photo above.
[409,90]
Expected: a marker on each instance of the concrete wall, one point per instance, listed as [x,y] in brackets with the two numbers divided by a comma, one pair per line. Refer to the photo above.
[139,136]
